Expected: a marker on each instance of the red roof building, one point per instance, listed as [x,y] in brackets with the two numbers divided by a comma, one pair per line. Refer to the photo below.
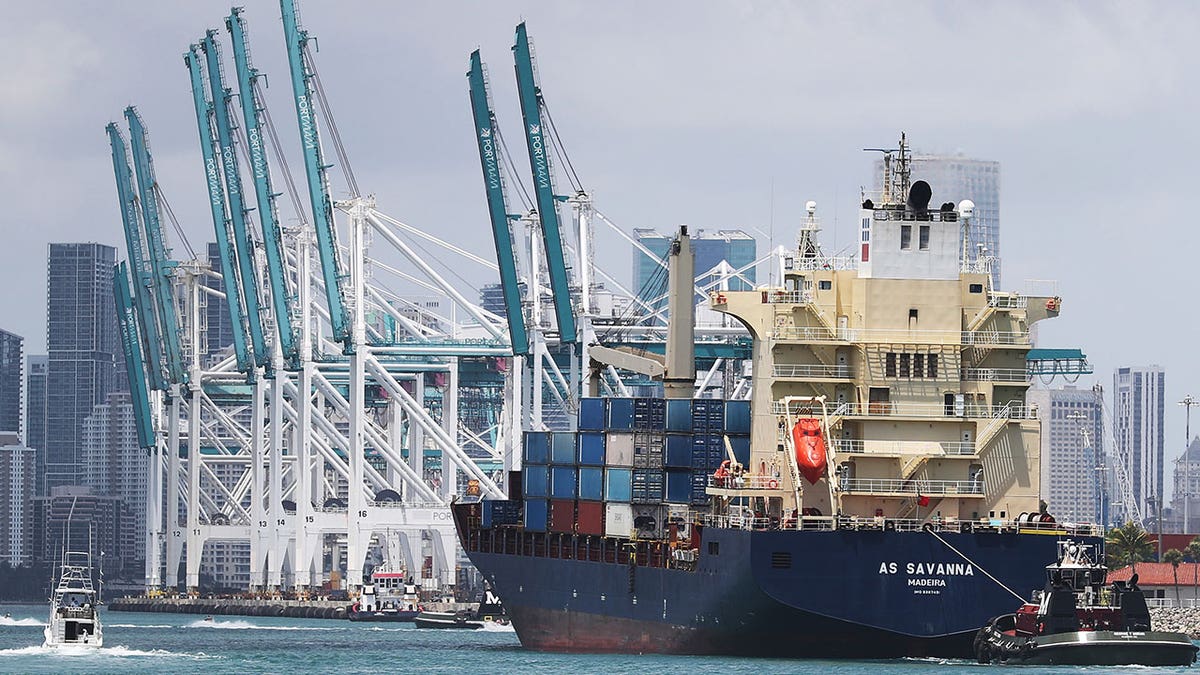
[1158,581]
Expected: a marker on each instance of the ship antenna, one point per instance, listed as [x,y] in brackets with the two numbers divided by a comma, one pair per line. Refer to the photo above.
[897,171]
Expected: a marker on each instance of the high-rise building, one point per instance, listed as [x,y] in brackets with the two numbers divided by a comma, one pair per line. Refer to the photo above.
[85,358]
[954,178]
[36,368]
[1072,452]
[733,247]
[10,381]
[114,465]
[18,465]
[1138,409]
[218,329]
[76,519]
[1186,516]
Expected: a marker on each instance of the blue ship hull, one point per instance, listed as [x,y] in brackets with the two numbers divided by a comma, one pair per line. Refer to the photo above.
[844,593]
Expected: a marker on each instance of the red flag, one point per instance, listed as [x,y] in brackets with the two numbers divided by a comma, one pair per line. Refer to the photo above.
[922,500]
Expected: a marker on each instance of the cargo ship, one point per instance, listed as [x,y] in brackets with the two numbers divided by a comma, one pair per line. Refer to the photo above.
[877,496]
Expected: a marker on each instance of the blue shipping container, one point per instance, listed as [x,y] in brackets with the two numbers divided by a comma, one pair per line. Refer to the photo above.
[679,486]
[618,485]
[591,448]
[700,487]
[537,512]
[537,447]
[679,414]
[537,480]
[737,417]
[591,414]
[562,448]
[501,512]
[620,413]
[591,483]
[679,451]
[648,485]
[562,482]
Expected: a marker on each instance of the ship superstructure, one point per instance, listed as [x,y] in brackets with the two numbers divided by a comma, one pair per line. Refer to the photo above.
[878,497]
[915,365]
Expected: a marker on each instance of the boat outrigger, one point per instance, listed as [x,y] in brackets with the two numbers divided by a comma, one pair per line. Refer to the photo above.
[1076,620]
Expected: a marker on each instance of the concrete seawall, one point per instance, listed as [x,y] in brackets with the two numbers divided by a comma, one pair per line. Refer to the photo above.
[296,609]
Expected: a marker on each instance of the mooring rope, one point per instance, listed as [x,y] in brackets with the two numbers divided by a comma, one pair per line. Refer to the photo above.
[973,563]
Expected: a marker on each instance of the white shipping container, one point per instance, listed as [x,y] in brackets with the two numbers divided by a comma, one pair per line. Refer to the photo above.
[618,449]
[618,520]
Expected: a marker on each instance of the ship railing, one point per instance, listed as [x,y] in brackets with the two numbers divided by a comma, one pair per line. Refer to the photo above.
[866,447]
[852,522]
[982,265]
[917,487]
[744,482]
[1019,375]
[839,371]
[785,297]
[901,336]
[924,410]
[840,262]
[1008,301]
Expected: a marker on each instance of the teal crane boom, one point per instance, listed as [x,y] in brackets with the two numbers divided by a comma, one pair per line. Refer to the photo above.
[164,293]
[493,180]
[143,270]
[268,213]
[134,365]
[314,168]
[543,183]
[221,97]
[216,199]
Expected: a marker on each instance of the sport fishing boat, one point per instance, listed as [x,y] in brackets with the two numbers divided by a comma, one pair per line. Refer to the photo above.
[74,616]
[1076,620]
[875,496]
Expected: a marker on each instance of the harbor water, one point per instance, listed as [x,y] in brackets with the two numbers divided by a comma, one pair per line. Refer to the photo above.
[187,643]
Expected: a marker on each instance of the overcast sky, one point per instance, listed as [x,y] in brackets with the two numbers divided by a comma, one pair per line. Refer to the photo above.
[673,112]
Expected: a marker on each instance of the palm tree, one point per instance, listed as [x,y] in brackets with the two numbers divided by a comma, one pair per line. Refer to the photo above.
[1174,557]
[1128,544]
[1193,552]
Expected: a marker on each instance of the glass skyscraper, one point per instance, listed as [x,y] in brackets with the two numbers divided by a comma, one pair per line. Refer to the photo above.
[35,412]
[85,362]
[954,178]
[218,329]
[735,247]
[1138,410]
[11,346]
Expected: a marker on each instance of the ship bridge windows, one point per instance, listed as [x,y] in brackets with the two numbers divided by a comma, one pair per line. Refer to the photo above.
[825,285]
[912,365]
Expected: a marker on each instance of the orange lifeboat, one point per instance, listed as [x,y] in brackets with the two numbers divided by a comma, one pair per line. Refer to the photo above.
[810,448]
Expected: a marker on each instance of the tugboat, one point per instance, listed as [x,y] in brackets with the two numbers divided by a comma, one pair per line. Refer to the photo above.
[490,612]
[74,617]
[1076,620]
[388,598]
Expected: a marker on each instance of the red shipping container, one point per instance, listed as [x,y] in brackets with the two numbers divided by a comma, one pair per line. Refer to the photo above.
[562,515]
[591,518]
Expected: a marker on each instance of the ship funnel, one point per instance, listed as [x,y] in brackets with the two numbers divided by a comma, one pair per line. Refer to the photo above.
[680,378]
[918,198]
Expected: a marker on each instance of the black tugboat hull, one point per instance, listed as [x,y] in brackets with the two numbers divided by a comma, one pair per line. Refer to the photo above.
[1086,648]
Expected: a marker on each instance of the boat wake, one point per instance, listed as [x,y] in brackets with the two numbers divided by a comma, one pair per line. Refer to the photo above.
[490,627]
[9,621]
[138,625]
[82,651]
[238,624]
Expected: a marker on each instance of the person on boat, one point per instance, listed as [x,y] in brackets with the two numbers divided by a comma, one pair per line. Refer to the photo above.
[208,618]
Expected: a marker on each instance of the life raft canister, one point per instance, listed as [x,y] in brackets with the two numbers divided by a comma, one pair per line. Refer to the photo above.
[810,448]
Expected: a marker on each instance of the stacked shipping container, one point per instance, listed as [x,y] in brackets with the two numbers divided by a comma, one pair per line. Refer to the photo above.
[629,462]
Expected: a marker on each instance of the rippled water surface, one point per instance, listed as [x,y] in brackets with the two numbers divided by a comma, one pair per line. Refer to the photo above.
[184,643]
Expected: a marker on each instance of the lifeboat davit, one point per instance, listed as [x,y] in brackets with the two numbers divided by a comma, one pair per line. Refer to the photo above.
[810,448]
